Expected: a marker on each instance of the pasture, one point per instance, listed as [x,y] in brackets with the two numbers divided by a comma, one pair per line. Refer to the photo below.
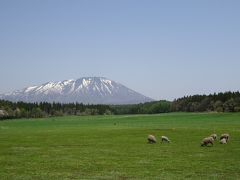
[115,147]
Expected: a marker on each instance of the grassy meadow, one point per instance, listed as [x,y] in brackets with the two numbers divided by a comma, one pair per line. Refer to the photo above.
[115,147]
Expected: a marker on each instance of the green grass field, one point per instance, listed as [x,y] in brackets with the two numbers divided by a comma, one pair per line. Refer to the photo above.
[115,147]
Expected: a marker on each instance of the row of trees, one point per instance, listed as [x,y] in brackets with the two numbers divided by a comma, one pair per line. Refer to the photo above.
[221,102]
[144,108]
[36,110]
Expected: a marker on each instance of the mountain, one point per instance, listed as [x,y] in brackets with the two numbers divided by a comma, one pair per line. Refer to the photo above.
[87,90]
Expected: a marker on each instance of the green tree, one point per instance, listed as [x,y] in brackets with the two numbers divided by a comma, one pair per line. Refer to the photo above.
[229,105]
[218,106]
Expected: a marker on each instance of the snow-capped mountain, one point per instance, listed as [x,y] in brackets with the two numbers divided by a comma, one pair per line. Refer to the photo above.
[87,90]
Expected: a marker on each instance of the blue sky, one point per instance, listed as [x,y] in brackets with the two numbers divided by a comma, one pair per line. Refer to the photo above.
[162,49]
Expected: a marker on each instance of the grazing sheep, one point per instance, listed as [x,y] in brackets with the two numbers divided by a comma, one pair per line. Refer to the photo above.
[151,139]
[206,141]
[224,136]
[214,136]
[223,141]
[165,138]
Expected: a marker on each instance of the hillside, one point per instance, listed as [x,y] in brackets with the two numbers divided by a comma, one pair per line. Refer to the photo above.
[86,90]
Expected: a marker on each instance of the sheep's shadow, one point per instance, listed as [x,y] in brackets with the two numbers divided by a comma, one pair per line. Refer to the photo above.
[207,146]
[151,142]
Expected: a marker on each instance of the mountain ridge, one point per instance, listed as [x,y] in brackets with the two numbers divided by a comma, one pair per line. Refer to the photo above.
[87,90]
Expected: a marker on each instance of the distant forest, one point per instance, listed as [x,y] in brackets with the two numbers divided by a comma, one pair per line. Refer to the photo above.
[221,102]
[218,102]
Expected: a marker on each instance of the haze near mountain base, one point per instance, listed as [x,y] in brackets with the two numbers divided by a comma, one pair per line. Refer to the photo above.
[86,90]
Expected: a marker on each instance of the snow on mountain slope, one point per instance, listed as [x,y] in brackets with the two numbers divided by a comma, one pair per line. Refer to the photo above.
[87,90]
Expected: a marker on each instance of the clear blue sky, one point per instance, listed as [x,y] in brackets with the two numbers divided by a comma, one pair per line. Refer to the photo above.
[162,49]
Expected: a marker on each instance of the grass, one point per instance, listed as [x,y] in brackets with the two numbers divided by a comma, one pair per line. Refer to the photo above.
[115,147]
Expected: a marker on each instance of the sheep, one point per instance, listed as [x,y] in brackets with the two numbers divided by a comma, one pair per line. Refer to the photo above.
[223,141]
[151,139]
[206,141]
[224,136]
[214,136]
[165,138]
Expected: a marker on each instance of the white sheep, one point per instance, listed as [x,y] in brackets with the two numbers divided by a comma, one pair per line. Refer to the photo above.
[223,141]
[151,139]
[224,136]
[165,138]
[214,136]
[206,141]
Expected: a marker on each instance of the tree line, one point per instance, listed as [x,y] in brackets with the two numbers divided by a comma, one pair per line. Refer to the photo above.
[221,102]
[9,110]
[154,107]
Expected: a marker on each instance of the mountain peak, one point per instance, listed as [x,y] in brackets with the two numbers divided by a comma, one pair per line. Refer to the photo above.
[87,90]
